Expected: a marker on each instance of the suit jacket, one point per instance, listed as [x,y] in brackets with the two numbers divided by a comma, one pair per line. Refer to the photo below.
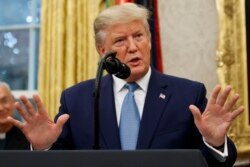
[15,140]
[166,123]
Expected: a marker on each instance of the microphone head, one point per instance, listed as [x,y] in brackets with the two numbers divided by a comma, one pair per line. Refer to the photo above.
[112,65]
[115,66]
[124,72]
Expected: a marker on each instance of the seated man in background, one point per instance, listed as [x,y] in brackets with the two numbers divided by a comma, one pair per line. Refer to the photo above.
[11,138]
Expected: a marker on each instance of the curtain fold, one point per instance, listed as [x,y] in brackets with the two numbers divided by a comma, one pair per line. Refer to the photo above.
[67,48]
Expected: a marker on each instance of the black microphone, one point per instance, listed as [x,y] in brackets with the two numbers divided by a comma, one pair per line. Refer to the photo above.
[115,66]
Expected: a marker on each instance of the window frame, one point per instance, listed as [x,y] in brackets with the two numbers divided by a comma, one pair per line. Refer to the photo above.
[33,56]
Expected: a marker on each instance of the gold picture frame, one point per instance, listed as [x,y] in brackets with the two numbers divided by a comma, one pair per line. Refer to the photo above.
[231,58]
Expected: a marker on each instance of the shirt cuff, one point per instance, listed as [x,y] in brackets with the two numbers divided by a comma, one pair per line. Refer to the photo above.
[219,155]
[32,149]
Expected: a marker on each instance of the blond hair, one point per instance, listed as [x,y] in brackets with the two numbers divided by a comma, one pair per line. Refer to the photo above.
[118,14]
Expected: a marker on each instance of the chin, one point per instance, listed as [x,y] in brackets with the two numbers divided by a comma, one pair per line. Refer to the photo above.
[139,69]
[137,73]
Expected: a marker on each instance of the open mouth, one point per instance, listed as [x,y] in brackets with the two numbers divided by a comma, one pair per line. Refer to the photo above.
[134,61]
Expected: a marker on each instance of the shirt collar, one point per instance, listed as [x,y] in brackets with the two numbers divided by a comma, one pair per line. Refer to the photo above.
[2,135]
[143,82]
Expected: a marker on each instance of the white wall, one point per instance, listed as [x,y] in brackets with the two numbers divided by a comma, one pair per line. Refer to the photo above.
[189,34]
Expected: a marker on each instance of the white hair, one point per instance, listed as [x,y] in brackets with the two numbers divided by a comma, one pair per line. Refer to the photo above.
[5,85]
[118,14]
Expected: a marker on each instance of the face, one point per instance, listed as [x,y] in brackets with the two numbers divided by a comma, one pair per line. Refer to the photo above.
[132,44]
[6,103]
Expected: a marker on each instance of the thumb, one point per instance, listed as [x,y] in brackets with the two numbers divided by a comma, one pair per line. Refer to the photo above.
[196,114]
[62,120]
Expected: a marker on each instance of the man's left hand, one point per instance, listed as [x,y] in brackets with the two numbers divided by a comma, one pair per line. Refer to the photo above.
[218,116]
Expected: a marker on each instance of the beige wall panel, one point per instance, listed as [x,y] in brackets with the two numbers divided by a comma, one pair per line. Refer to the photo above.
[189,31]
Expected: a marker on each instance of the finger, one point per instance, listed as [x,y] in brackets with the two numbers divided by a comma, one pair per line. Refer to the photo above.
[196,113]
[237,112]
[29,107]
[15,122]
[213,98]
[223,96]
[230,104]
[62,120]
[22,112]
[39,104]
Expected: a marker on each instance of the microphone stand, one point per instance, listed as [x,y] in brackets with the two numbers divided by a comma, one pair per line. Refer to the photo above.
[99,74]
[101,67]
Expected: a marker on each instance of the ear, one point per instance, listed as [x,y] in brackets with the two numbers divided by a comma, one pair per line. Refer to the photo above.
[100,49]
[150,45]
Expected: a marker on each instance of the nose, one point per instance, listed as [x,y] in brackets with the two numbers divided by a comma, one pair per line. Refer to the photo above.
[132,45]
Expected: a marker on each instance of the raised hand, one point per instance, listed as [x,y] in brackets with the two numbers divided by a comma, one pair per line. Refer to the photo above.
[218,116]
[38,128]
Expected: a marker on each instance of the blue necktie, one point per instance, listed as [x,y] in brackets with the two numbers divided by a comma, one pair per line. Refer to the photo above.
[130,119]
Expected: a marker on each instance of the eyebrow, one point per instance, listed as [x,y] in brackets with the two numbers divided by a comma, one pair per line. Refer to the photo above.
[4,97]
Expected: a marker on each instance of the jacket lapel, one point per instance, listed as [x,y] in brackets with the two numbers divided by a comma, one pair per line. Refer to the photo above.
[108,121]
[156,100]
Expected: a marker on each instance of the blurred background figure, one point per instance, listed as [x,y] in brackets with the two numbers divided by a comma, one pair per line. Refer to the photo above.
[11,138]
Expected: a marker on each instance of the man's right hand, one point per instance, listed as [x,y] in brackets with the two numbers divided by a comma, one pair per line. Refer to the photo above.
[38,128]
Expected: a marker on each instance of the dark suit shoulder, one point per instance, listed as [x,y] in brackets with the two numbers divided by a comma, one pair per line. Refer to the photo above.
[180,80]
[86,86]
[81,85]
[174,81]
[15,140]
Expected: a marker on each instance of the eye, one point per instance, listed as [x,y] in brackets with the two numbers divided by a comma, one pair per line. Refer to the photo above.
[119,42]
[139,36]
[5,100]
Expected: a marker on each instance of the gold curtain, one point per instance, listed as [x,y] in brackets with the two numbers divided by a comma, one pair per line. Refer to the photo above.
[67,48]
[232,65]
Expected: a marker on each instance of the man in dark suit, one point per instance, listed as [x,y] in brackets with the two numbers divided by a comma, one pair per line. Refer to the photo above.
[174,112]
[11,138]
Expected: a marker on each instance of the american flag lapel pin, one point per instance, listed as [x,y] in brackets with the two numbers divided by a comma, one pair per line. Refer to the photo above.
[162,96]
